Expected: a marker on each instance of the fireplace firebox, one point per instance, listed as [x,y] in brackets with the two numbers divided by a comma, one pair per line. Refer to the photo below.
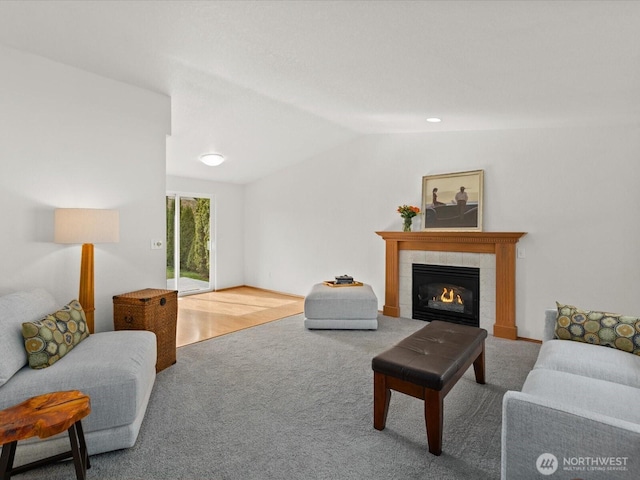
[445,292]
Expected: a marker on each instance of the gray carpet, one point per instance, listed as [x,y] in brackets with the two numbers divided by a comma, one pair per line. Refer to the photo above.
[280,402]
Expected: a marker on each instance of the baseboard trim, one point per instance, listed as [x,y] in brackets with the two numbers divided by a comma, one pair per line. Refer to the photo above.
[532,340]
[261,289]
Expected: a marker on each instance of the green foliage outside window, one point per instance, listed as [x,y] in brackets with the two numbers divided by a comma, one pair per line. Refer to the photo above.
[171,213]
[195,223]
[198,259]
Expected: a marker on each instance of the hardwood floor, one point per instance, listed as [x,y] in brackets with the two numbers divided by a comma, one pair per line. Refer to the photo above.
[208,315]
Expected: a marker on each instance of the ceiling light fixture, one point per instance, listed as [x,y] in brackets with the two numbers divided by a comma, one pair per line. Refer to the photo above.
[434,120]
[212,159]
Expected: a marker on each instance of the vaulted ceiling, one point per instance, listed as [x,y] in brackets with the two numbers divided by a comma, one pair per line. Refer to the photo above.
[272,83]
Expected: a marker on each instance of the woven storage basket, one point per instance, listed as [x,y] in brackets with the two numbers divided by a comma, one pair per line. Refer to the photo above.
[153,310]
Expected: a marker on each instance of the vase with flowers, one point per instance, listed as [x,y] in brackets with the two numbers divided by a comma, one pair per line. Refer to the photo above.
[407,212]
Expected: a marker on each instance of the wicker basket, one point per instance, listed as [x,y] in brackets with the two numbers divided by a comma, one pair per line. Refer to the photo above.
[153,310]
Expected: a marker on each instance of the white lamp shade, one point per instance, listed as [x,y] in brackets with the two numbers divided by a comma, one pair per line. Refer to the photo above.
[86,225]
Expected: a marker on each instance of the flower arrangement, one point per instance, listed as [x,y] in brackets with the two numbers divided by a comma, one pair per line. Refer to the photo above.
[407,212]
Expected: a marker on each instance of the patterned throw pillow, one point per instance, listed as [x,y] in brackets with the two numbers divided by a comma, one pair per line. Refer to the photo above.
[598,328]
[50,339]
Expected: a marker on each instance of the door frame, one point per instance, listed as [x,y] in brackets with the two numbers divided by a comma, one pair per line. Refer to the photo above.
[176,241]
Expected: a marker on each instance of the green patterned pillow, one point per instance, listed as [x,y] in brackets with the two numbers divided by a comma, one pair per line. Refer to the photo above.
[50,339]
[598,328]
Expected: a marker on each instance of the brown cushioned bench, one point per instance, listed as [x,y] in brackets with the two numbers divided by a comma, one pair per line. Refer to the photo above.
[426,365]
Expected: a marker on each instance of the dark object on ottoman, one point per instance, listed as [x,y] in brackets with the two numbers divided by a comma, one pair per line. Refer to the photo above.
[344,279]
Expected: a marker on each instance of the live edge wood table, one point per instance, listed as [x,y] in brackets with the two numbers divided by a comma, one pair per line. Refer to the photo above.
[44,416]
[426,365]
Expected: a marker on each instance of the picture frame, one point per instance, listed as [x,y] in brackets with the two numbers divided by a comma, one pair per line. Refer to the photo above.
[453,201]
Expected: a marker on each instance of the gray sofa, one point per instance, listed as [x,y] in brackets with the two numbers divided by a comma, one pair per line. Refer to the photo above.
[577,413]
[116,369]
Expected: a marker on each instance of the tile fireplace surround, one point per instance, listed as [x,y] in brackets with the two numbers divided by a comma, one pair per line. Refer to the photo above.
[496,260]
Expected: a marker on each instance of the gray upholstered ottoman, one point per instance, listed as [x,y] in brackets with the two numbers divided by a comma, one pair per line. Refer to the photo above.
[346,308]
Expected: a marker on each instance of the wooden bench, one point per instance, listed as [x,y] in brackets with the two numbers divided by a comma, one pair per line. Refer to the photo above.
[44,416]
[426,365]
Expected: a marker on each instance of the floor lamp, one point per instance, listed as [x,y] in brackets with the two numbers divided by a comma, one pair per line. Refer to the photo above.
[86,226]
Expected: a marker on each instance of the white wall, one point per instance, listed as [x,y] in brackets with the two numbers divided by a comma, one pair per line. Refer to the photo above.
[228,229]
[574,190]
[69,138]
[72,139]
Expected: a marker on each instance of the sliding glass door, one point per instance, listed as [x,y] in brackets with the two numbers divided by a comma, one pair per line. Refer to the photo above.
[189,259]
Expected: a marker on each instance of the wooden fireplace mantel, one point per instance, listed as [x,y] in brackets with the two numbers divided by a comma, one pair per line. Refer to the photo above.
[501,244]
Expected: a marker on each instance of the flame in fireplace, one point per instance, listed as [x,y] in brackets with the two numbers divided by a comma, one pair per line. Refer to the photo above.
[448,296]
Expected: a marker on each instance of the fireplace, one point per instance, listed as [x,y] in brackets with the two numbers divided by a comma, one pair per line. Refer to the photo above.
[445,292]
[500,245]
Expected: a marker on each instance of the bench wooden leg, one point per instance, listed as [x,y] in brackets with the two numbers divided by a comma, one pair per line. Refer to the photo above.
[381,399]
[6,460]
[433,403]
[478,367]
[78,450]
[78,453]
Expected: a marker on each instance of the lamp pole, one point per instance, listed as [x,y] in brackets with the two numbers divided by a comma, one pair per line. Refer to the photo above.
[86,295]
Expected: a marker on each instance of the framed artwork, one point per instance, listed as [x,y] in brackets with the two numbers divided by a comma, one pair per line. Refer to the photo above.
[453,201]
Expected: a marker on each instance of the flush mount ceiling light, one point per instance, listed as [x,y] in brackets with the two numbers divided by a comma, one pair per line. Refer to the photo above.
[434,120]
[212,159]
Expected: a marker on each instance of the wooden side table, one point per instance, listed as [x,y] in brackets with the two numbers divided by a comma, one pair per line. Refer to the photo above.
[153,310]
[44,416]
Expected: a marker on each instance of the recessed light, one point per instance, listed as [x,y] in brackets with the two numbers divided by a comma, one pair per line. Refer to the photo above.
[434,120]
[212,159]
